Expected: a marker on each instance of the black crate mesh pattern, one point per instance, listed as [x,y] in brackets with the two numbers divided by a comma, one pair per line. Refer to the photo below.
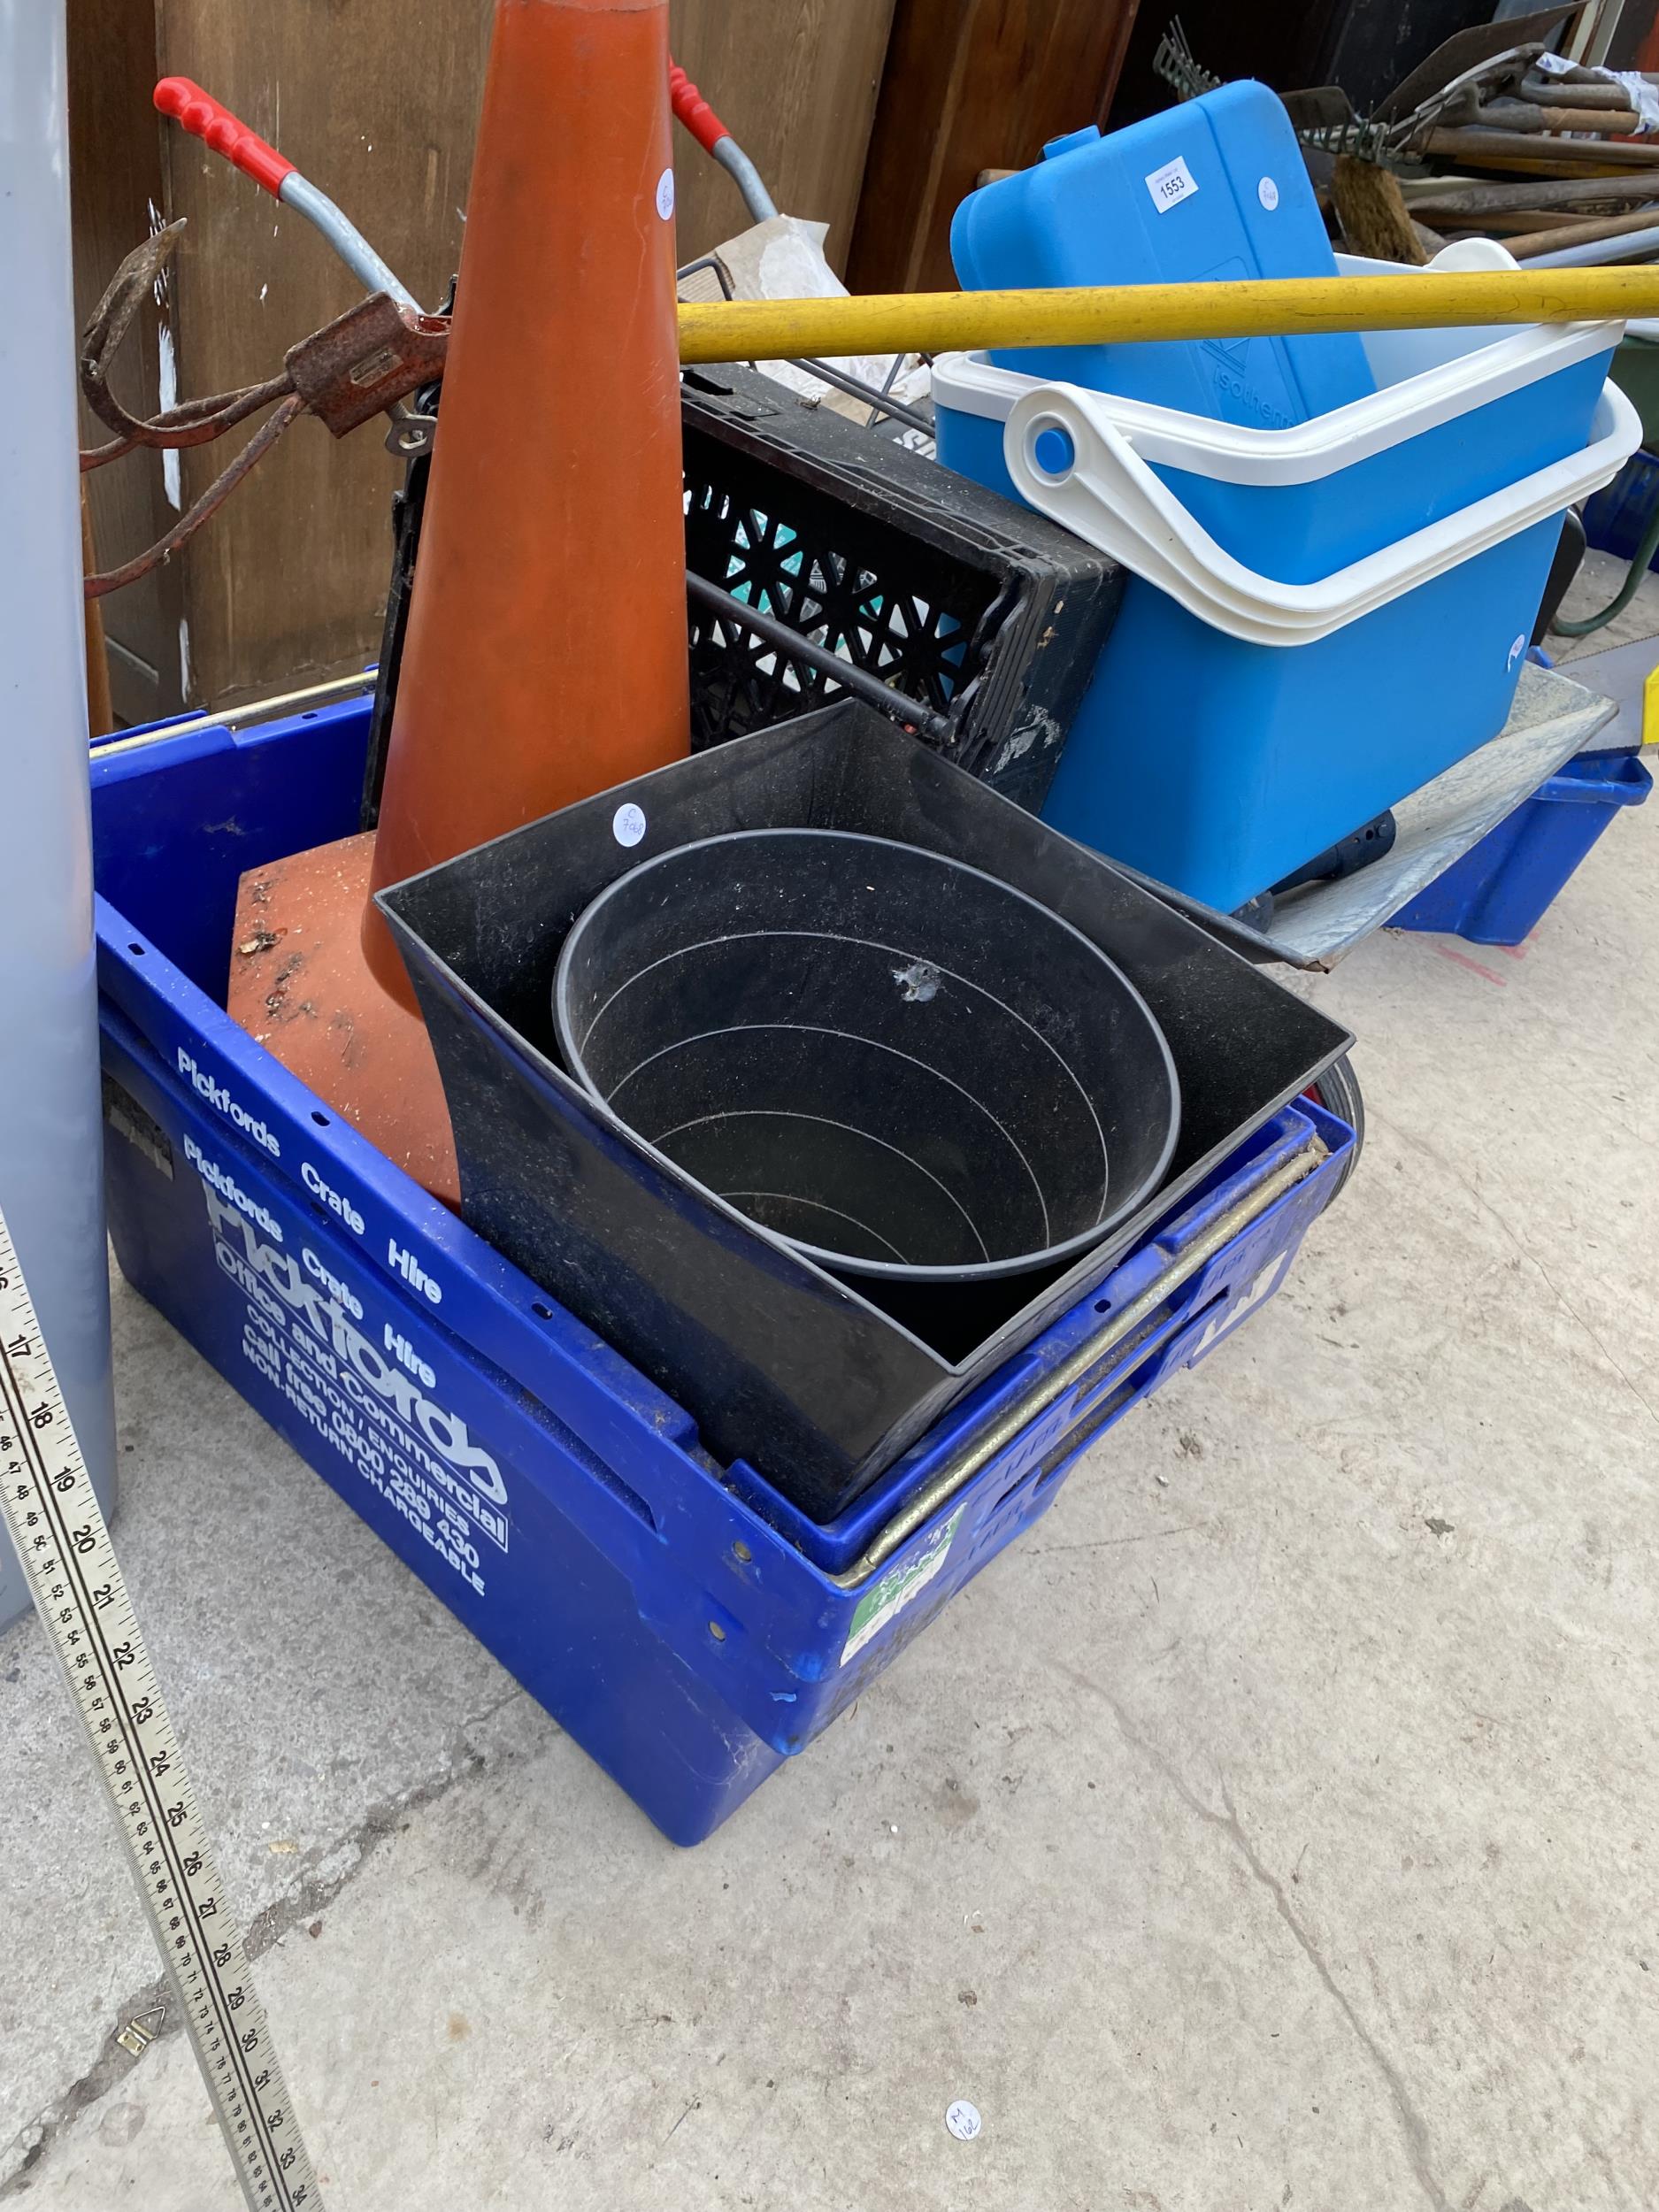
[873,593]
[955,597]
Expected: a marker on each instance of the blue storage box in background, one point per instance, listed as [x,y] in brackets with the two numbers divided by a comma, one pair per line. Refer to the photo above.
[1211,189]
[682,1623]
[1502,888]
[1615,520]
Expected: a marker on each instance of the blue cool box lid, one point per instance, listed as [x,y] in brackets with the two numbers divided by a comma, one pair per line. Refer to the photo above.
[1207,191]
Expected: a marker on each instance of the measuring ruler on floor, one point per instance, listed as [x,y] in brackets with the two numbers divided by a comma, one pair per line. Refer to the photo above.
[56,1523]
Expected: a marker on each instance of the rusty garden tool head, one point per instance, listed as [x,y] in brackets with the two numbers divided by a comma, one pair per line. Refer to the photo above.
[353,369]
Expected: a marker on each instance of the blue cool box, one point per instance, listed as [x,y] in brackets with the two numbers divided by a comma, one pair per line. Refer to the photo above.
[1219,764]
[688,1629]
[1207,191]
[1298,532]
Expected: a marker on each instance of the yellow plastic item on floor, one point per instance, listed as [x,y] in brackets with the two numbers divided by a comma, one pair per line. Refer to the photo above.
[1650,709]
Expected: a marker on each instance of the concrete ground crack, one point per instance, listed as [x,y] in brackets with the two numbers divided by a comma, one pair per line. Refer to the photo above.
[1111,1543]
[1414,2131]
[29,2149]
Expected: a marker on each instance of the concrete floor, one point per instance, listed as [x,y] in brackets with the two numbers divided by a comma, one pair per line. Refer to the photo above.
[1276,1827]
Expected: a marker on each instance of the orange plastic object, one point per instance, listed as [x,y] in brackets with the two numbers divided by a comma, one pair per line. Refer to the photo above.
[208,119]
[546,652]
[694,111]
[299,986]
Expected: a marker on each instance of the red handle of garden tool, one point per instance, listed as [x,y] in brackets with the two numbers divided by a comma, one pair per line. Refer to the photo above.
[694,111]
[204,117]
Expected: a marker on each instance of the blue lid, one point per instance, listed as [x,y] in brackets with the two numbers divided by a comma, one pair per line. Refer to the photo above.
[1212,190]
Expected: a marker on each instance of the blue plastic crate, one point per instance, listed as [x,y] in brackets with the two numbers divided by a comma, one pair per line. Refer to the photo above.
[677,1617]
[1502,888]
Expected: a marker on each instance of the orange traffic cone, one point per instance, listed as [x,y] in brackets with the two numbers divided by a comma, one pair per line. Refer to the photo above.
[546,651]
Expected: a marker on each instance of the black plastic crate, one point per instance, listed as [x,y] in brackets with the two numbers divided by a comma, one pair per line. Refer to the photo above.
[972,605]
[949,593]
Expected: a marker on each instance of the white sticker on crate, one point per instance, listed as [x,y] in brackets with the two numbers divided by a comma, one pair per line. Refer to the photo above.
[1171,184]
[897,1587]
[627,824]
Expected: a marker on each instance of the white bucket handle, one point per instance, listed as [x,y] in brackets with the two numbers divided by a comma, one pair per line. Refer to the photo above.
[1108,495]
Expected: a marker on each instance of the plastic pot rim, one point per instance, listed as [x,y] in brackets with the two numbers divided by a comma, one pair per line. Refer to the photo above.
[841,1263]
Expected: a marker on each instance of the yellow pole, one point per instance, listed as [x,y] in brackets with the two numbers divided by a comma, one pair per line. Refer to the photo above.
[948,322]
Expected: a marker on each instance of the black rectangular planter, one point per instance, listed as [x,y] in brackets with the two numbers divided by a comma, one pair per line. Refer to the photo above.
[812,1383]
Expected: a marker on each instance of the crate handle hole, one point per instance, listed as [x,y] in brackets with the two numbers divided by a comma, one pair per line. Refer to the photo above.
[1018,1483]
[320,1118]
[135,947]
[541,1312]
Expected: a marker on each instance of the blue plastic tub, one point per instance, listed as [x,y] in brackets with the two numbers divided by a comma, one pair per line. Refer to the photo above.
[1299,531]
[677,1618]
[1502,888]
[1212,189]
[1220,763]
[1220,766]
